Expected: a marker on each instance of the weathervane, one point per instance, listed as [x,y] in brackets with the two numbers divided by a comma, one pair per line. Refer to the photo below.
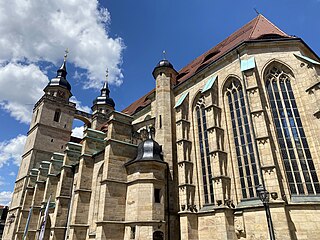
[107,74]
[66,54]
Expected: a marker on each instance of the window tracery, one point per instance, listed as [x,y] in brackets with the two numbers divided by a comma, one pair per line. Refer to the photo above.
[244,143]
[204,151]
[298,164]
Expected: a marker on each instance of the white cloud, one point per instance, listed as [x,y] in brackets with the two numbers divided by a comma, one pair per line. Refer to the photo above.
[40,30]
[77,132]
[5,198]
[12,173]
[21,87]
[11,150]
[79,105]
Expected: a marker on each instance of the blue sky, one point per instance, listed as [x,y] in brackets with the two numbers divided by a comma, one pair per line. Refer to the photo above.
[126,36]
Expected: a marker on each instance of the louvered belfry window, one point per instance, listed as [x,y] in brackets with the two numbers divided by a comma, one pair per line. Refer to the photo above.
[298,164]
[243,141]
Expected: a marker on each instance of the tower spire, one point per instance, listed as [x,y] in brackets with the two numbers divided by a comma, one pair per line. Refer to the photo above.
[63,69]
[104,98]
[61,78]
[106,85]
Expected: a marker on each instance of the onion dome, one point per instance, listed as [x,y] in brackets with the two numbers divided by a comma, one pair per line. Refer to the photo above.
[104,98]
[60,79]
[149,149]
[164,63]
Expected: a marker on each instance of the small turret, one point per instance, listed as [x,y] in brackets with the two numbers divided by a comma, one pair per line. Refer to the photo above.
[147,174]
[149,149]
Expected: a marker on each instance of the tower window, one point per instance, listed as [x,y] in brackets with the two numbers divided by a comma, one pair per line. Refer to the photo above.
[35,118]
[243,141]
[57,115]
[157,195]
[298,164]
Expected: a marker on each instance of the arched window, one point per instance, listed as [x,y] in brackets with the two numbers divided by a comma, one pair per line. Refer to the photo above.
[298,164]
[244,143]
[204,152]
[57,114]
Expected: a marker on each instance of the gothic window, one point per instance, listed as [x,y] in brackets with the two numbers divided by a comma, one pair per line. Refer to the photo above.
[204,152]
[243,141]
[298,164]
[57,114]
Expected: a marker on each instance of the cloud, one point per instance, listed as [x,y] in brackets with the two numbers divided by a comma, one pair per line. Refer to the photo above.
[52,26]
[77,132]
[21,86]
[11,150]
[12,173]
[79,105]
[5,198]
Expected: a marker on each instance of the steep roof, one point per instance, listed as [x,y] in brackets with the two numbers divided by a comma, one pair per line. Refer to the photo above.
[257,28]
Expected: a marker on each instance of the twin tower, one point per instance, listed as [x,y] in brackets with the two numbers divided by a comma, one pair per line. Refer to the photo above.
[115,183]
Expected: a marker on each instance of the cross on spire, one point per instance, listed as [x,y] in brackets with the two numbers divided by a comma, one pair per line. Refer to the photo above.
[164,54]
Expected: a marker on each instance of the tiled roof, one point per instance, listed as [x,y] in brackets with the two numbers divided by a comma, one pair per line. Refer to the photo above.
[139,104]
[258,28]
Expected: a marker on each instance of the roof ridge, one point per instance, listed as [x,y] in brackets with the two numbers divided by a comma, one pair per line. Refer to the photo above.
[255,25]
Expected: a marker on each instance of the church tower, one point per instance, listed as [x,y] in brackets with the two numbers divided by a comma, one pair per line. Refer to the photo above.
[49,131]
[103,105]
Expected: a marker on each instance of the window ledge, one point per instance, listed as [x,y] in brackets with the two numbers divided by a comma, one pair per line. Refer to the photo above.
[253,202]
[305,199]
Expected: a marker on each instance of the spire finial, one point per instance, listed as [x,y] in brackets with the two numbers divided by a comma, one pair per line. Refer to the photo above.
[150,130]
[107,74]
[164,54]
[65,54]
[256,11]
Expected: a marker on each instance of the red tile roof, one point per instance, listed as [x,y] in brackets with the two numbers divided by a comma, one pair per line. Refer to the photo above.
[258,28]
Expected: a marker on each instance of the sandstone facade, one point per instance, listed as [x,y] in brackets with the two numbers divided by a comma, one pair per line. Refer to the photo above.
[243,114]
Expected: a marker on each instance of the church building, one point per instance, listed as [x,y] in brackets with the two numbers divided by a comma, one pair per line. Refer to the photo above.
[225,148]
